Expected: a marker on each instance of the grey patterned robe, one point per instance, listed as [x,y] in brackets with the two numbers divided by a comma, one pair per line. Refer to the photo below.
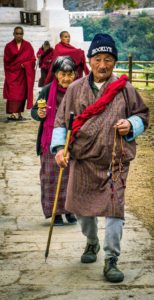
[89,191]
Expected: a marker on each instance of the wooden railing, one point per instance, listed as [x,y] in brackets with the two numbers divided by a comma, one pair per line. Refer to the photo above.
[130,70]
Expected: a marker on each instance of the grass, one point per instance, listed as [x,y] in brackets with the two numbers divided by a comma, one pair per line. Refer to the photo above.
[142,86]
[139,85]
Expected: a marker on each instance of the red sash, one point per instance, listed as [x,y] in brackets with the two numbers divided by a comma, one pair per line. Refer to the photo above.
[111,91]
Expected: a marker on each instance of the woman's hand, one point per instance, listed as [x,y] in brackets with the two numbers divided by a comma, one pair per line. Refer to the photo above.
[123,126]
[41,113]
[61,160]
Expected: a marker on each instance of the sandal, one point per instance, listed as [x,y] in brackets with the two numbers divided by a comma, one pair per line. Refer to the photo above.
[21,118]
[12,118]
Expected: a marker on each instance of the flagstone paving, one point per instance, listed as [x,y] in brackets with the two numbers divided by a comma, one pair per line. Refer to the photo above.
[24,275]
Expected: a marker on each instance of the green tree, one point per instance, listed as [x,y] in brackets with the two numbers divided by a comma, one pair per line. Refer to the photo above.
[132,34]
[150,39]
[116,4]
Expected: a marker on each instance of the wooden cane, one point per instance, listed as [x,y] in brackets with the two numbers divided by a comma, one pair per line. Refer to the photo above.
[59,185]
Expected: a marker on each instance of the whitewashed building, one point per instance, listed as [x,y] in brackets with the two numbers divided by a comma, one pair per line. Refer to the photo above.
[52,15]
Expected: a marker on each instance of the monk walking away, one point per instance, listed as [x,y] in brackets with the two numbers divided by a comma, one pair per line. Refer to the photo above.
[19,67]
[45,57]
[110,114]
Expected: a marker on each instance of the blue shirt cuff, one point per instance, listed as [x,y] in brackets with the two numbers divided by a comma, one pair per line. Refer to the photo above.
[137,128]
[58,138]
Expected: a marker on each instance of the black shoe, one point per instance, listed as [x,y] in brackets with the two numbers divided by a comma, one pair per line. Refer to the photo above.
[90,253]
[71,219]
[58,221]
[21,118]
[111,272]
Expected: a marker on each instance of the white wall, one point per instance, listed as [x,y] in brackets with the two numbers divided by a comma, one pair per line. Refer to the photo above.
[35,5]
[54,4]
[10,15]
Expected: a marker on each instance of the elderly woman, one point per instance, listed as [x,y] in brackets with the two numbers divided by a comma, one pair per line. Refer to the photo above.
[64,73]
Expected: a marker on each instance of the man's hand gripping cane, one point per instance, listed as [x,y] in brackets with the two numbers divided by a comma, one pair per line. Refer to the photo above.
[61,160]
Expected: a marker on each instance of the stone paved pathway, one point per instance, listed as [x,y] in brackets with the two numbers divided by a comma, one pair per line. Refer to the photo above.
[24,275]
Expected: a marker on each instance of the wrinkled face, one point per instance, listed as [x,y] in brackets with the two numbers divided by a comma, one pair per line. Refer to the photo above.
[18,35]
[102,66]
[65,78]
[65,38]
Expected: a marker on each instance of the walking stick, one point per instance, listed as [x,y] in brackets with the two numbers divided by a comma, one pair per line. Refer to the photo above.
[58,185]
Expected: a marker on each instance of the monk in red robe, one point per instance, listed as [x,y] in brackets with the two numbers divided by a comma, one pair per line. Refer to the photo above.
[65,49]
[19,67]
[45,57]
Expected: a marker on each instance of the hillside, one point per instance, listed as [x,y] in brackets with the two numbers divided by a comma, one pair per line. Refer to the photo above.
[81,5]
[132,35]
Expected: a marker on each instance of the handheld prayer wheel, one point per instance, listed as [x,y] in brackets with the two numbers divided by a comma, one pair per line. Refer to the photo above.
[41,103]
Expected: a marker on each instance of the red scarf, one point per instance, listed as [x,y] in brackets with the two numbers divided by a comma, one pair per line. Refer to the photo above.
[48,124]
[99,106]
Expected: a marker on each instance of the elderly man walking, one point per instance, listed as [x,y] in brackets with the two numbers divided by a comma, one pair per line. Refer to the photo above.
[110,114]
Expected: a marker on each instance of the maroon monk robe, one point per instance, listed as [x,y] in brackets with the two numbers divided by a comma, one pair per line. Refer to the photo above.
[19,81]
[45,61]
[45,58]
[77,55]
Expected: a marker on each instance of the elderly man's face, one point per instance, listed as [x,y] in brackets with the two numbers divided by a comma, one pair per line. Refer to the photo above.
[102,66]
